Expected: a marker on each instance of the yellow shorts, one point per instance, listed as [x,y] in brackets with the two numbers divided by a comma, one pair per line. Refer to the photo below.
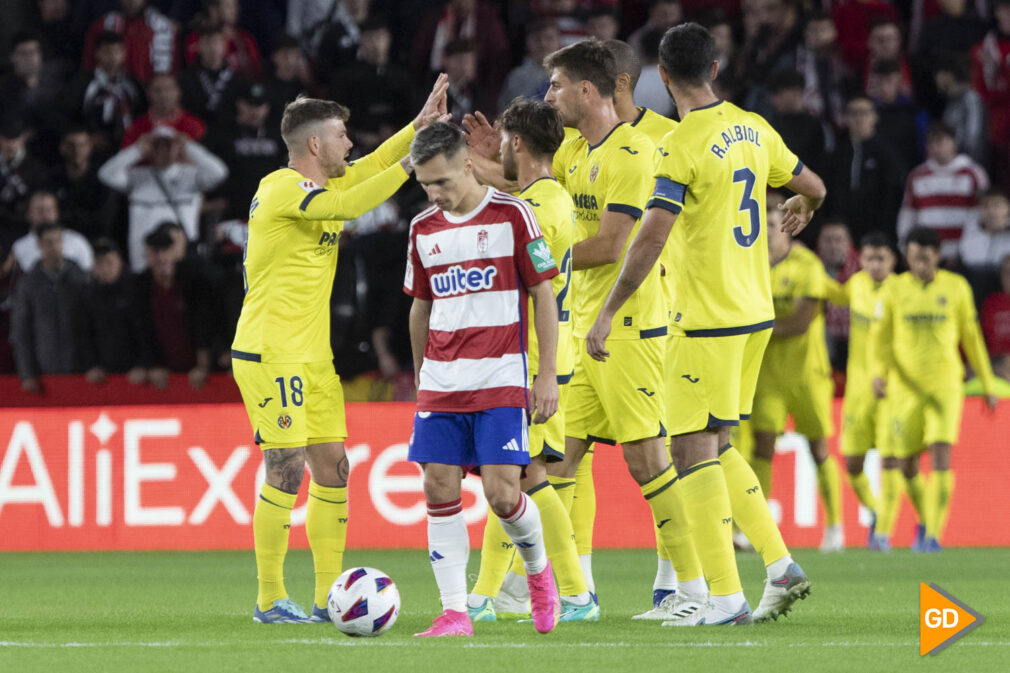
[864,424]
[916,420]
[620,400]
[711,380]
[548,439]
[292,405]
[807,399]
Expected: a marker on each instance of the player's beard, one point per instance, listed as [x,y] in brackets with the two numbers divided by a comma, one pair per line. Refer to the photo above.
[508,163]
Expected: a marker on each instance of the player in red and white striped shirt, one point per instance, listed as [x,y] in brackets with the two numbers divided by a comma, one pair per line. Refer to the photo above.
[473,260]
[942,193]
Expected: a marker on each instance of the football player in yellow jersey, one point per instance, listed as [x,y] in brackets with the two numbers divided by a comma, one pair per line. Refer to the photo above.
[925,314]
[795,378]
[711,176]
[531,132]
[863,426]
[281,353]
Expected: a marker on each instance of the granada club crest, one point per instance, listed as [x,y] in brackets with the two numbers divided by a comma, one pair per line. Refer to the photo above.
[593,172]
[482,240]
[284,421]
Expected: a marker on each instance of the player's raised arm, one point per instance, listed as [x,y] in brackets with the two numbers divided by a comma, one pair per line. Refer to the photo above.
[544,392]
[483,143]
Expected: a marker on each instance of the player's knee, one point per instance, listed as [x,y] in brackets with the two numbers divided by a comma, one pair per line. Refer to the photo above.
[910,468]
[764,445]
[285,468]
[892,463]
[502,501]
[854,465]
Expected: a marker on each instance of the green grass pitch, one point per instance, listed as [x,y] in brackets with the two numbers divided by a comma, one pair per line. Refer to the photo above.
[188,611]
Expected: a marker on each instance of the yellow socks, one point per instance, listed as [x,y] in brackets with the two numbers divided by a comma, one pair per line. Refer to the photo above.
[559,540]
[830,487]
[566,491]
[271,521]
[941,487]
[860,484]
[917,494]
[326,528]
[584,505]
[750,509]
[704,489]
[892,483]
[762,468]
[496,554]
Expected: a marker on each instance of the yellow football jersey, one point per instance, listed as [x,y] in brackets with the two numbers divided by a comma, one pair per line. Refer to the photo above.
[713,169]
[291,254]
[918,332]
[554,212]
[861,294]
[613,175]
[800,274]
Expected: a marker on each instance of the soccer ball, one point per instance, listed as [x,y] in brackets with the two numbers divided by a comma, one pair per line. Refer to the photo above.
[363,602]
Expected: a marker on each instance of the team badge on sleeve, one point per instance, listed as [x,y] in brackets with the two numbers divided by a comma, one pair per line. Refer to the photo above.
[540,255]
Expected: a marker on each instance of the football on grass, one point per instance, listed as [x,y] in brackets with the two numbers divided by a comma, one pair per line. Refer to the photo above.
[363,602]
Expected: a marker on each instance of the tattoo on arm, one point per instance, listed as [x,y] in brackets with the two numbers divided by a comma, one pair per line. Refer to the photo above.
[285,468]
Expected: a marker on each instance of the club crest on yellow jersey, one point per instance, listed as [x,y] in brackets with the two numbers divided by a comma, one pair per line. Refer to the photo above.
[594,172]
[284,421]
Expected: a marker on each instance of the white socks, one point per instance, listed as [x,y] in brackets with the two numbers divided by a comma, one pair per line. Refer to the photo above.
[666,577]
[778,568]
[586,561]
[523,526]
[449,551]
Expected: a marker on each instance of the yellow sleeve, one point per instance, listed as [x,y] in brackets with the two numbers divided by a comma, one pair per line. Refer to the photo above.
[837,293]
[972,341]
[674,171]
[880,355]
[335,203]
[813,282]
[782,163]
[385,155]
[628,180]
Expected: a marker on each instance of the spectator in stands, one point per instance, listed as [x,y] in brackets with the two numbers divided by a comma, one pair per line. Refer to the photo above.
[250,147]
[165,109]
[802,132]
[466,92]
[7,266]
[819,60]
[529,78]
[663,14]
[853,20]
[83,199]
[290,77]
[381,91]
[602,23]
[241,51]
[148,36]
[863,175]
[31,87]
[472,21]
[109,337]
[964,110]
[174,312]
[209,84]
[20,172]
[335,44]
[841,261]
[304,16]
[770,49]
[722,35]
[991,78]
[164,175]
[47,315]
[955,29]
[942,193]
[884,44]
[566,16]
[61,40]
[106,100]
[996,314]
[985,242]
[899,120]
[43,210]
[650,92]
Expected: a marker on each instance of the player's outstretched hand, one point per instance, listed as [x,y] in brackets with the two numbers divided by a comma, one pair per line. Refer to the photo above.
[991,401]
[797,214]
[436,107]
[481,135]
[879,388]
[544,396]
[596,340]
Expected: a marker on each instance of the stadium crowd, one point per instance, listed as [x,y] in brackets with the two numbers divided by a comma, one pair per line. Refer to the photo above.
[133,134]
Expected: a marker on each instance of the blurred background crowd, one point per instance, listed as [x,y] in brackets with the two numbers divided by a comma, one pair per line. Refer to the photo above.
[133,134]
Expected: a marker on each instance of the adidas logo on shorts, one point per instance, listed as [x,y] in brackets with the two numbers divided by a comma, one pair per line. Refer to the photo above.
[512,445]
